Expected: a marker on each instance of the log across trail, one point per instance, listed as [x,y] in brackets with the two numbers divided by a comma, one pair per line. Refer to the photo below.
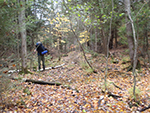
[48,68]
[44,83]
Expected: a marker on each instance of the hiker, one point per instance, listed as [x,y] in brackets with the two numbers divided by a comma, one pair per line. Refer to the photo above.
[40,51]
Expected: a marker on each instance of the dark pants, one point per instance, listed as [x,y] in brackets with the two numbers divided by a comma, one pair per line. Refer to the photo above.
[41,58]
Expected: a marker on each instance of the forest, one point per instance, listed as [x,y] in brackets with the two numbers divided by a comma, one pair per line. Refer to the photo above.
[98,58]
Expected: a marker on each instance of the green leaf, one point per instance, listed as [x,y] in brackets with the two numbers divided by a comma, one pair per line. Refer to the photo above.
[87,9]
[99,27]
[121,14]
[74,7]
[84,111]
[69,0]
[70,8]
[104,16]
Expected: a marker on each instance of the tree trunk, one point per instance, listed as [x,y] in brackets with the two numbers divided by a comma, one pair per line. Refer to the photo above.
[129,31]
[96,39]
[116,35]
[127,4]
[60,44]
[147,45]
[22,26]
[111,39]
[104,41]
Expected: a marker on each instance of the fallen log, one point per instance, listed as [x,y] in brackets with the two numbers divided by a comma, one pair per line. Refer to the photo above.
[37,81]
[45,83]
[42,82]
[48,68]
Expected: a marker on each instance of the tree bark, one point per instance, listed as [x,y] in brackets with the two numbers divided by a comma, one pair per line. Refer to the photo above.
[135,45]
[116,35]
[96,39]
[22,26]
[104,40]
[111,39]
[129,31]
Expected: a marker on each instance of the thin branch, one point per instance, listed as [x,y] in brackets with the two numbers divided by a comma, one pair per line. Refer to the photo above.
[138,12]
[81,48]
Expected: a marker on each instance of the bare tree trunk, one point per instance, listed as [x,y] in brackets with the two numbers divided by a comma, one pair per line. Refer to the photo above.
[104,44]
[18,40]
[127,4]
[23,37]
[96,39]
[60,44]
[129,31]
[111,39]
[116,35]
[147,46]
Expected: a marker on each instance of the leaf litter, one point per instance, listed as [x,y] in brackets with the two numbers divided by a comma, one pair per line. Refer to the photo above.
[30,97]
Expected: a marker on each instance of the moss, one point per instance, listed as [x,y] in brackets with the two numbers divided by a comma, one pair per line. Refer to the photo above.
[25,72]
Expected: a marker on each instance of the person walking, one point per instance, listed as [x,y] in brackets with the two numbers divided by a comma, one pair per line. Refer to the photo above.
[40,48]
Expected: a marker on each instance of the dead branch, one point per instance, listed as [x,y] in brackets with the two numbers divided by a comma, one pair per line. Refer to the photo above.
[112,95]
[145,108]
[117,86]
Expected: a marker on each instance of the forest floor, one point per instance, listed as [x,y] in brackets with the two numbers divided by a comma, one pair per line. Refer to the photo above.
[81,91]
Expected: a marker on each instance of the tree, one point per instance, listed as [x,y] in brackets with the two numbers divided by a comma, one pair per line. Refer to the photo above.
[22,26]
[134,46]
[129,30]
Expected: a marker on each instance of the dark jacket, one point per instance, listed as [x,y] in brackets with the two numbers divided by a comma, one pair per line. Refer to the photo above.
[40,48]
